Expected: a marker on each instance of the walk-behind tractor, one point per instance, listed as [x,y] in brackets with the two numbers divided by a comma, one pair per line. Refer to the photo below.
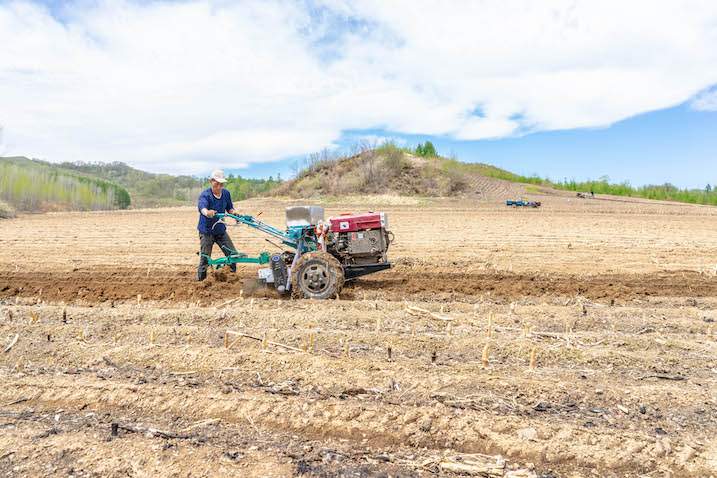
[523,203]
[318,255]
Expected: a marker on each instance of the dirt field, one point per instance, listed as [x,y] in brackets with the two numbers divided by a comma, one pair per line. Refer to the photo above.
[615,297]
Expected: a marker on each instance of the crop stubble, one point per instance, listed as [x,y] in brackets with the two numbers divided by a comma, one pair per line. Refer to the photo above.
[646,270]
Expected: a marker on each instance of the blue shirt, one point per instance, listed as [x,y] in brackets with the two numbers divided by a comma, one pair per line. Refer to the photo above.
[209,201]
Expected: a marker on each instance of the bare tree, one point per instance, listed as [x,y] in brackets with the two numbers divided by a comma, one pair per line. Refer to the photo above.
[294,167]
[368,148]
[3,151]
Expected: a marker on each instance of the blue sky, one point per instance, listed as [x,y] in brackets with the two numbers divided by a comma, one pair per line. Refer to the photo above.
[676,145]
[561,88]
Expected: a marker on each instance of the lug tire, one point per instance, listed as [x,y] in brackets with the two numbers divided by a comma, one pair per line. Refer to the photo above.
[317,275]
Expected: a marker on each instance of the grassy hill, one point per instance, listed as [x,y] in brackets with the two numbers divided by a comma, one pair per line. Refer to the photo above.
[30,186]
[387,169]
[146,189]
[34,185]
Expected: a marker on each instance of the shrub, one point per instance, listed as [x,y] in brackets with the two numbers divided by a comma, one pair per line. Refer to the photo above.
[308,186]
[6,212]
[455,174]
[393,157]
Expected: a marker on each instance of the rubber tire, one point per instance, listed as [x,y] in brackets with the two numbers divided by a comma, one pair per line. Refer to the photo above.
[318,260]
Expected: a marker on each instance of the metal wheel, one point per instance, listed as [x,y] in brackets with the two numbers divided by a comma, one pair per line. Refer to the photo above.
[317,275]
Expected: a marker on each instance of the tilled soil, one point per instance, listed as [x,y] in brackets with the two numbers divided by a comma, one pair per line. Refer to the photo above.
[417,283]
[617,316]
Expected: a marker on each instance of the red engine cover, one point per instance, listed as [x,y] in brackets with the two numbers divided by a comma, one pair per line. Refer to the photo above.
[359,222]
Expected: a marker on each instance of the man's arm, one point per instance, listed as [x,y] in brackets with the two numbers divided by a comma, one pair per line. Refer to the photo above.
[230,204]
[203,207]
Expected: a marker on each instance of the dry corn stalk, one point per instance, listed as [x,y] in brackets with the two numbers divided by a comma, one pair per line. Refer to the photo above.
[417,310]
[378,324]
[189,340]
[532,360]
[527,328]
[268,342]
[33,316]
[12,344]
[236,341]
[202,423]
[487,470]
[490,325]
[223,304]
[139,299]
[484,360]
[449,329]
[389,350]
[153,338]
[346,349]
[116,341]
[413,329]
[440,317]
[412,308]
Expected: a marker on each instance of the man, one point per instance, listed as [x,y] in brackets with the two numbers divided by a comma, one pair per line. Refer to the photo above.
[212,201]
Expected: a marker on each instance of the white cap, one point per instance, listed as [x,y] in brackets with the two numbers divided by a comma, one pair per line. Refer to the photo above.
[218,176]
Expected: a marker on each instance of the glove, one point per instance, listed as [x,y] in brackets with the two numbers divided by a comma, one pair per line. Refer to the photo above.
[211,213]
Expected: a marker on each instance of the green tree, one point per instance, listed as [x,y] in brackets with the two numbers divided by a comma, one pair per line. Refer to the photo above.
[428,150]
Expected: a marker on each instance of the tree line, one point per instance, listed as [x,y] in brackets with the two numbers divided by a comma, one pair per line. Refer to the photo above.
[32,189]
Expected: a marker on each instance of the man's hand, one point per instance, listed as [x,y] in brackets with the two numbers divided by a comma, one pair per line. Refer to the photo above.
[211,213]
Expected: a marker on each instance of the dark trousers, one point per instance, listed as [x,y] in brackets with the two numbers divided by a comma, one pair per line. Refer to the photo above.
[206,241]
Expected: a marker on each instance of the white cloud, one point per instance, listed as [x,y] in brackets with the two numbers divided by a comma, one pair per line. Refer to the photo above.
[705,101]
[183,86]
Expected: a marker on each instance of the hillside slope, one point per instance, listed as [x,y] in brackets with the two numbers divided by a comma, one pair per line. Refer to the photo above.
[32,186]
[388,170]
[146,189]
